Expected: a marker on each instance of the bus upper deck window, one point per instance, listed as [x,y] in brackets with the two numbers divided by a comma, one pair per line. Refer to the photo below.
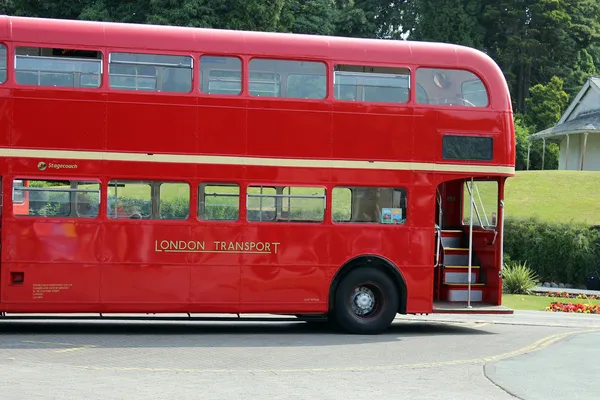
[150,72]
[450,87]
[288,79]
[52,67]
[2,63]
[371,84]
[221,75]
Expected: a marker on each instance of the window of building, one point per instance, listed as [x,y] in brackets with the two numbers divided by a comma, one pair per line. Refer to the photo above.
[220,75]
[150,72]
[3,56]
[54,67]
[452,87]
[218,201]
[371,84]
[50,198]
[286,204]
[303,79]
[467,148]
[485,203]
[369,205]
[152,200]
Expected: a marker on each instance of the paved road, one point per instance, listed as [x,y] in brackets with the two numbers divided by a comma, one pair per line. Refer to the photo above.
[564,370]
[435,357]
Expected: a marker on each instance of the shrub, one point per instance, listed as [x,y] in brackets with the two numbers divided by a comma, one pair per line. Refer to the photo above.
[557,252]
[518,278]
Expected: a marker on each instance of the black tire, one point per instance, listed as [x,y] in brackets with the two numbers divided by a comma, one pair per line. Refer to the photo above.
[379,297]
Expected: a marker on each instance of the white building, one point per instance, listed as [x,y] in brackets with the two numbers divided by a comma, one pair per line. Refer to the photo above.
[578,131]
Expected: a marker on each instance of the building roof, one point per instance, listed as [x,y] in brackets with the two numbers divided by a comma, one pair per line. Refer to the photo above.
[582,115]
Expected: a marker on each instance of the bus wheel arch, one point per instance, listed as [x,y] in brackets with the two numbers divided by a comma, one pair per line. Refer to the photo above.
[379,279]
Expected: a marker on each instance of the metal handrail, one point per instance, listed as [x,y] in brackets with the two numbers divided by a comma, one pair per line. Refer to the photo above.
[54,189]
[470,249]
[484,227]
[439,230]
[487,221]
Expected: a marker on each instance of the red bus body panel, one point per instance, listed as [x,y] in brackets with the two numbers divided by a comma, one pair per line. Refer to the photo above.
[104,265]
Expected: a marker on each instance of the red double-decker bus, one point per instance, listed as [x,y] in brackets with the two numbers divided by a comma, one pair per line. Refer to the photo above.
[154,169]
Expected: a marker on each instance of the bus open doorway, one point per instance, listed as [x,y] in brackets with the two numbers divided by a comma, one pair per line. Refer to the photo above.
[469,246]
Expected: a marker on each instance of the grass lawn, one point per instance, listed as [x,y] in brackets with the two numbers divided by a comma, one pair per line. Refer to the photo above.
[538,303]
[559,196]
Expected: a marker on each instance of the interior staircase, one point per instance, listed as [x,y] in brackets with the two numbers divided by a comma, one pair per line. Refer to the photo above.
[453,269]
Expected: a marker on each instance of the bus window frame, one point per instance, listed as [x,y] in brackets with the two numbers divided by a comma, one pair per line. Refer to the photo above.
[11,66]
[194,91]
[218,182]
[26,189]
[111,179]
[269,57]
[198,75]
[464,68]
[284,184]
[411,82]
[8,51]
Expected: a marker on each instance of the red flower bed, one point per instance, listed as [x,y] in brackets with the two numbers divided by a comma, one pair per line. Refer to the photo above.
[576,308]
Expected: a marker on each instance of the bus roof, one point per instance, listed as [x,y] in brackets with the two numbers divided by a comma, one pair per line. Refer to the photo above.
[219,41]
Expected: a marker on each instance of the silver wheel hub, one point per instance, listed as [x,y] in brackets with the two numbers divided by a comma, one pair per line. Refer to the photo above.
[363,301]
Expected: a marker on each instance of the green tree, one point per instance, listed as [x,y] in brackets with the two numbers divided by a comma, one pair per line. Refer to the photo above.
[7,7]
[131,11]
[545,107]
[251,15]
[310,16]
[521,135]
[546,104]
[580,70]
[369,18]
[455,22]
[64,9]
[533,40]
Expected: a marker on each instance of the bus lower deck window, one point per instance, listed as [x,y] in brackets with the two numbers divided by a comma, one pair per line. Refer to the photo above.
[369,205]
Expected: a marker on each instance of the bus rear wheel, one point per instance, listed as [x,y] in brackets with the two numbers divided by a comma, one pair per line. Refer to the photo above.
[366,302]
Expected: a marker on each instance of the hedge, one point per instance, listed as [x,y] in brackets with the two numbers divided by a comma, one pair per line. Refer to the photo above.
[557,252]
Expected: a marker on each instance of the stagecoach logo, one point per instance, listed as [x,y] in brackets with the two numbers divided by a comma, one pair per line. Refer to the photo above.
[42,166]
[197,246]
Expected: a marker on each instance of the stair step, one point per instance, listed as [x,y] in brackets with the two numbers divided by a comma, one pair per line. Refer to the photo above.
[464,284]
[451,260]
[461,277]
[456,249]
[451,242]
[460,292]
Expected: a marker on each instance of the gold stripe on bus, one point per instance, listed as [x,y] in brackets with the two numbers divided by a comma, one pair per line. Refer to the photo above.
[254,161]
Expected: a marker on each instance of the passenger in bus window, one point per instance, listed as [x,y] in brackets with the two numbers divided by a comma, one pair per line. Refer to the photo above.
[84,206]
[119,211]
[135,213]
